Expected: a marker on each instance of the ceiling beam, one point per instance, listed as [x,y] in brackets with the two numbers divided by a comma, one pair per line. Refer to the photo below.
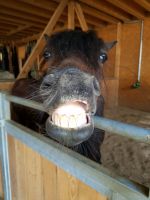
[71,15]
[41,43]
[22,21]
[26,8]
[27,39]
[44,4]
[51,6]
[16,13]
[129,7]
[19,29]
[81,17]
[110,10]
[145,4]
[98,14]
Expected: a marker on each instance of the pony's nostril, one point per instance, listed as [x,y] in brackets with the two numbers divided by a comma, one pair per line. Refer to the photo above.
[96,86]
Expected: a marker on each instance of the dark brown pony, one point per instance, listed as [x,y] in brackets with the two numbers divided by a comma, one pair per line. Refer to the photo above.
[74,62]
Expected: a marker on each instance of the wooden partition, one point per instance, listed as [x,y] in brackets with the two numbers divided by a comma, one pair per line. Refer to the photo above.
[34,177]
[36,167]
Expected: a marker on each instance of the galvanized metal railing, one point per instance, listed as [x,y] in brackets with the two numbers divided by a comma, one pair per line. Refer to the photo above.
[89,172]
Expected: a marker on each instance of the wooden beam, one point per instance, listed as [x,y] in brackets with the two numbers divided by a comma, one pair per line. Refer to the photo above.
[145,4]
[26,8]
[81,17]
[27,39]
[19,29]
[110,10]
[129,7]
[23,15]
[41,42]
[98,14]
[20,20]
[94,21]
[71,17]
[118,51]
[47,5]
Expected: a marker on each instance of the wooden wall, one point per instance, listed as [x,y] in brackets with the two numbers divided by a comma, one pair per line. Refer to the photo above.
[33,177]
[128,68]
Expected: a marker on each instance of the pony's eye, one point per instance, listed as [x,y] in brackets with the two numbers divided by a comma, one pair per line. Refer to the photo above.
[47,55]
[103,57]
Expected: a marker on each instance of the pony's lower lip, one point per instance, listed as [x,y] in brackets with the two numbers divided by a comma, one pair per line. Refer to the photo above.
[70,115]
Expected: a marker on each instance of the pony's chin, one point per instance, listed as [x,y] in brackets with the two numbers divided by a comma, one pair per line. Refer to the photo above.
[70,136]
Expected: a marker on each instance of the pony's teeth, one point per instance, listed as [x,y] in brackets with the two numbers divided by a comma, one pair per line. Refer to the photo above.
[69,121]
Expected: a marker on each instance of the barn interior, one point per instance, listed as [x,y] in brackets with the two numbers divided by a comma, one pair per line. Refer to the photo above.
[126,83]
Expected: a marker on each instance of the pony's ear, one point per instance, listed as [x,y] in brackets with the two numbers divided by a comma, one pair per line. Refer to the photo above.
[46,37]
[109,45]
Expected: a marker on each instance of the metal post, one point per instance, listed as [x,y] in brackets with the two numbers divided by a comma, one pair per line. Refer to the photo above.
[4,155]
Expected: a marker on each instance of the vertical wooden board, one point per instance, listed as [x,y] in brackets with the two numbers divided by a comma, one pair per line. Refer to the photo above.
[85,192]
[67,186]
[81,17]
[108,34]
[71,16]
[12,162]
[1,184]
[21,175]
[49,173]
[33,175]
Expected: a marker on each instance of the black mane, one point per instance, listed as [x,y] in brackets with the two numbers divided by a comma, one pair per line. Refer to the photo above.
[85,45]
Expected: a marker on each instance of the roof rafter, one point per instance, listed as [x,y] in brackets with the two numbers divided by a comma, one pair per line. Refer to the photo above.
[20,28]
[104,7]
[128,7]
[145,4]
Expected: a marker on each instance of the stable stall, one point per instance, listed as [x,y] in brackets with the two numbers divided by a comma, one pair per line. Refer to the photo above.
[31,168]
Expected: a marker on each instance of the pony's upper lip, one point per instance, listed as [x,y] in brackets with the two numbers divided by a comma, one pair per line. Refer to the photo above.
[72,114]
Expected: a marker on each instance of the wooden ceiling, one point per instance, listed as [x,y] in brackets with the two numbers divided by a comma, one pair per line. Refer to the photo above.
[20,19]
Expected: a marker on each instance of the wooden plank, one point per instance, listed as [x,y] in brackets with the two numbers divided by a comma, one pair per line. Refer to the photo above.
[27,39]
[98,14]
[49,172]
[21,28]
[118,51]
[49,5]
[143,3]
[20,20]
[67,186]
[1,184]
[12,162]
[104,7]
[81,17]
[44,4]
[129,7]
[95,21]
[41,42]
[33,177]
[71,17]
[24,15]
[26,8]
[85,192]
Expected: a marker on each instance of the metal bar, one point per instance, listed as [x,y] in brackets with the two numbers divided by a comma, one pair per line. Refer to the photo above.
[141,48]
[123,129]
[25,102]
[119,128]
[82,168]
[4,154]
